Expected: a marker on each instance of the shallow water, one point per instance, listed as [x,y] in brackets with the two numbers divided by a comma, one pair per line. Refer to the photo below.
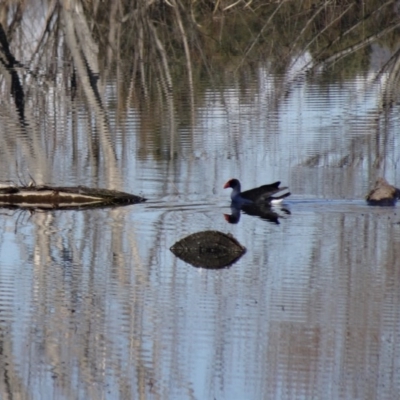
[93,304]
[310,310]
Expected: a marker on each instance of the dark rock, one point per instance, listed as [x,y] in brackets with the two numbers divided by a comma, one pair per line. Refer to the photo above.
[383,194]
[208,249]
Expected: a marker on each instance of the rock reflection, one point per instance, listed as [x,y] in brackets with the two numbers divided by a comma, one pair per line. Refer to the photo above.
[208,249]
[264,211]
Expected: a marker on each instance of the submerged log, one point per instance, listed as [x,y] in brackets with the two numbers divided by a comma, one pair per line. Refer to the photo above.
[63,197]
[208,249]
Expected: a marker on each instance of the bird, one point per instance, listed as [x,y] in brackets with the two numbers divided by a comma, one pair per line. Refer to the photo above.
[383,194]
[261,195]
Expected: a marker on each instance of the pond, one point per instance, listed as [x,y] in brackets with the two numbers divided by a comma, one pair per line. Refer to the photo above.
[93,303]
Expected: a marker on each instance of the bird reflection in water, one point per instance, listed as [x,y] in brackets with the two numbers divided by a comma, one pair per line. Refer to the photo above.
[264,211]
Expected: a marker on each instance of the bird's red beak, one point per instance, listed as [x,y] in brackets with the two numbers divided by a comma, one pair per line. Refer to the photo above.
[227,184]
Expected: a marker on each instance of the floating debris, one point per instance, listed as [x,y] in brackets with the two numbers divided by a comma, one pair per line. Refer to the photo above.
[63,197]
[208,249]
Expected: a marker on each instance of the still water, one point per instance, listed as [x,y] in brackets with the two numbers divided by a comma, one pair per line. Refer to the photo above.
[94,305]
